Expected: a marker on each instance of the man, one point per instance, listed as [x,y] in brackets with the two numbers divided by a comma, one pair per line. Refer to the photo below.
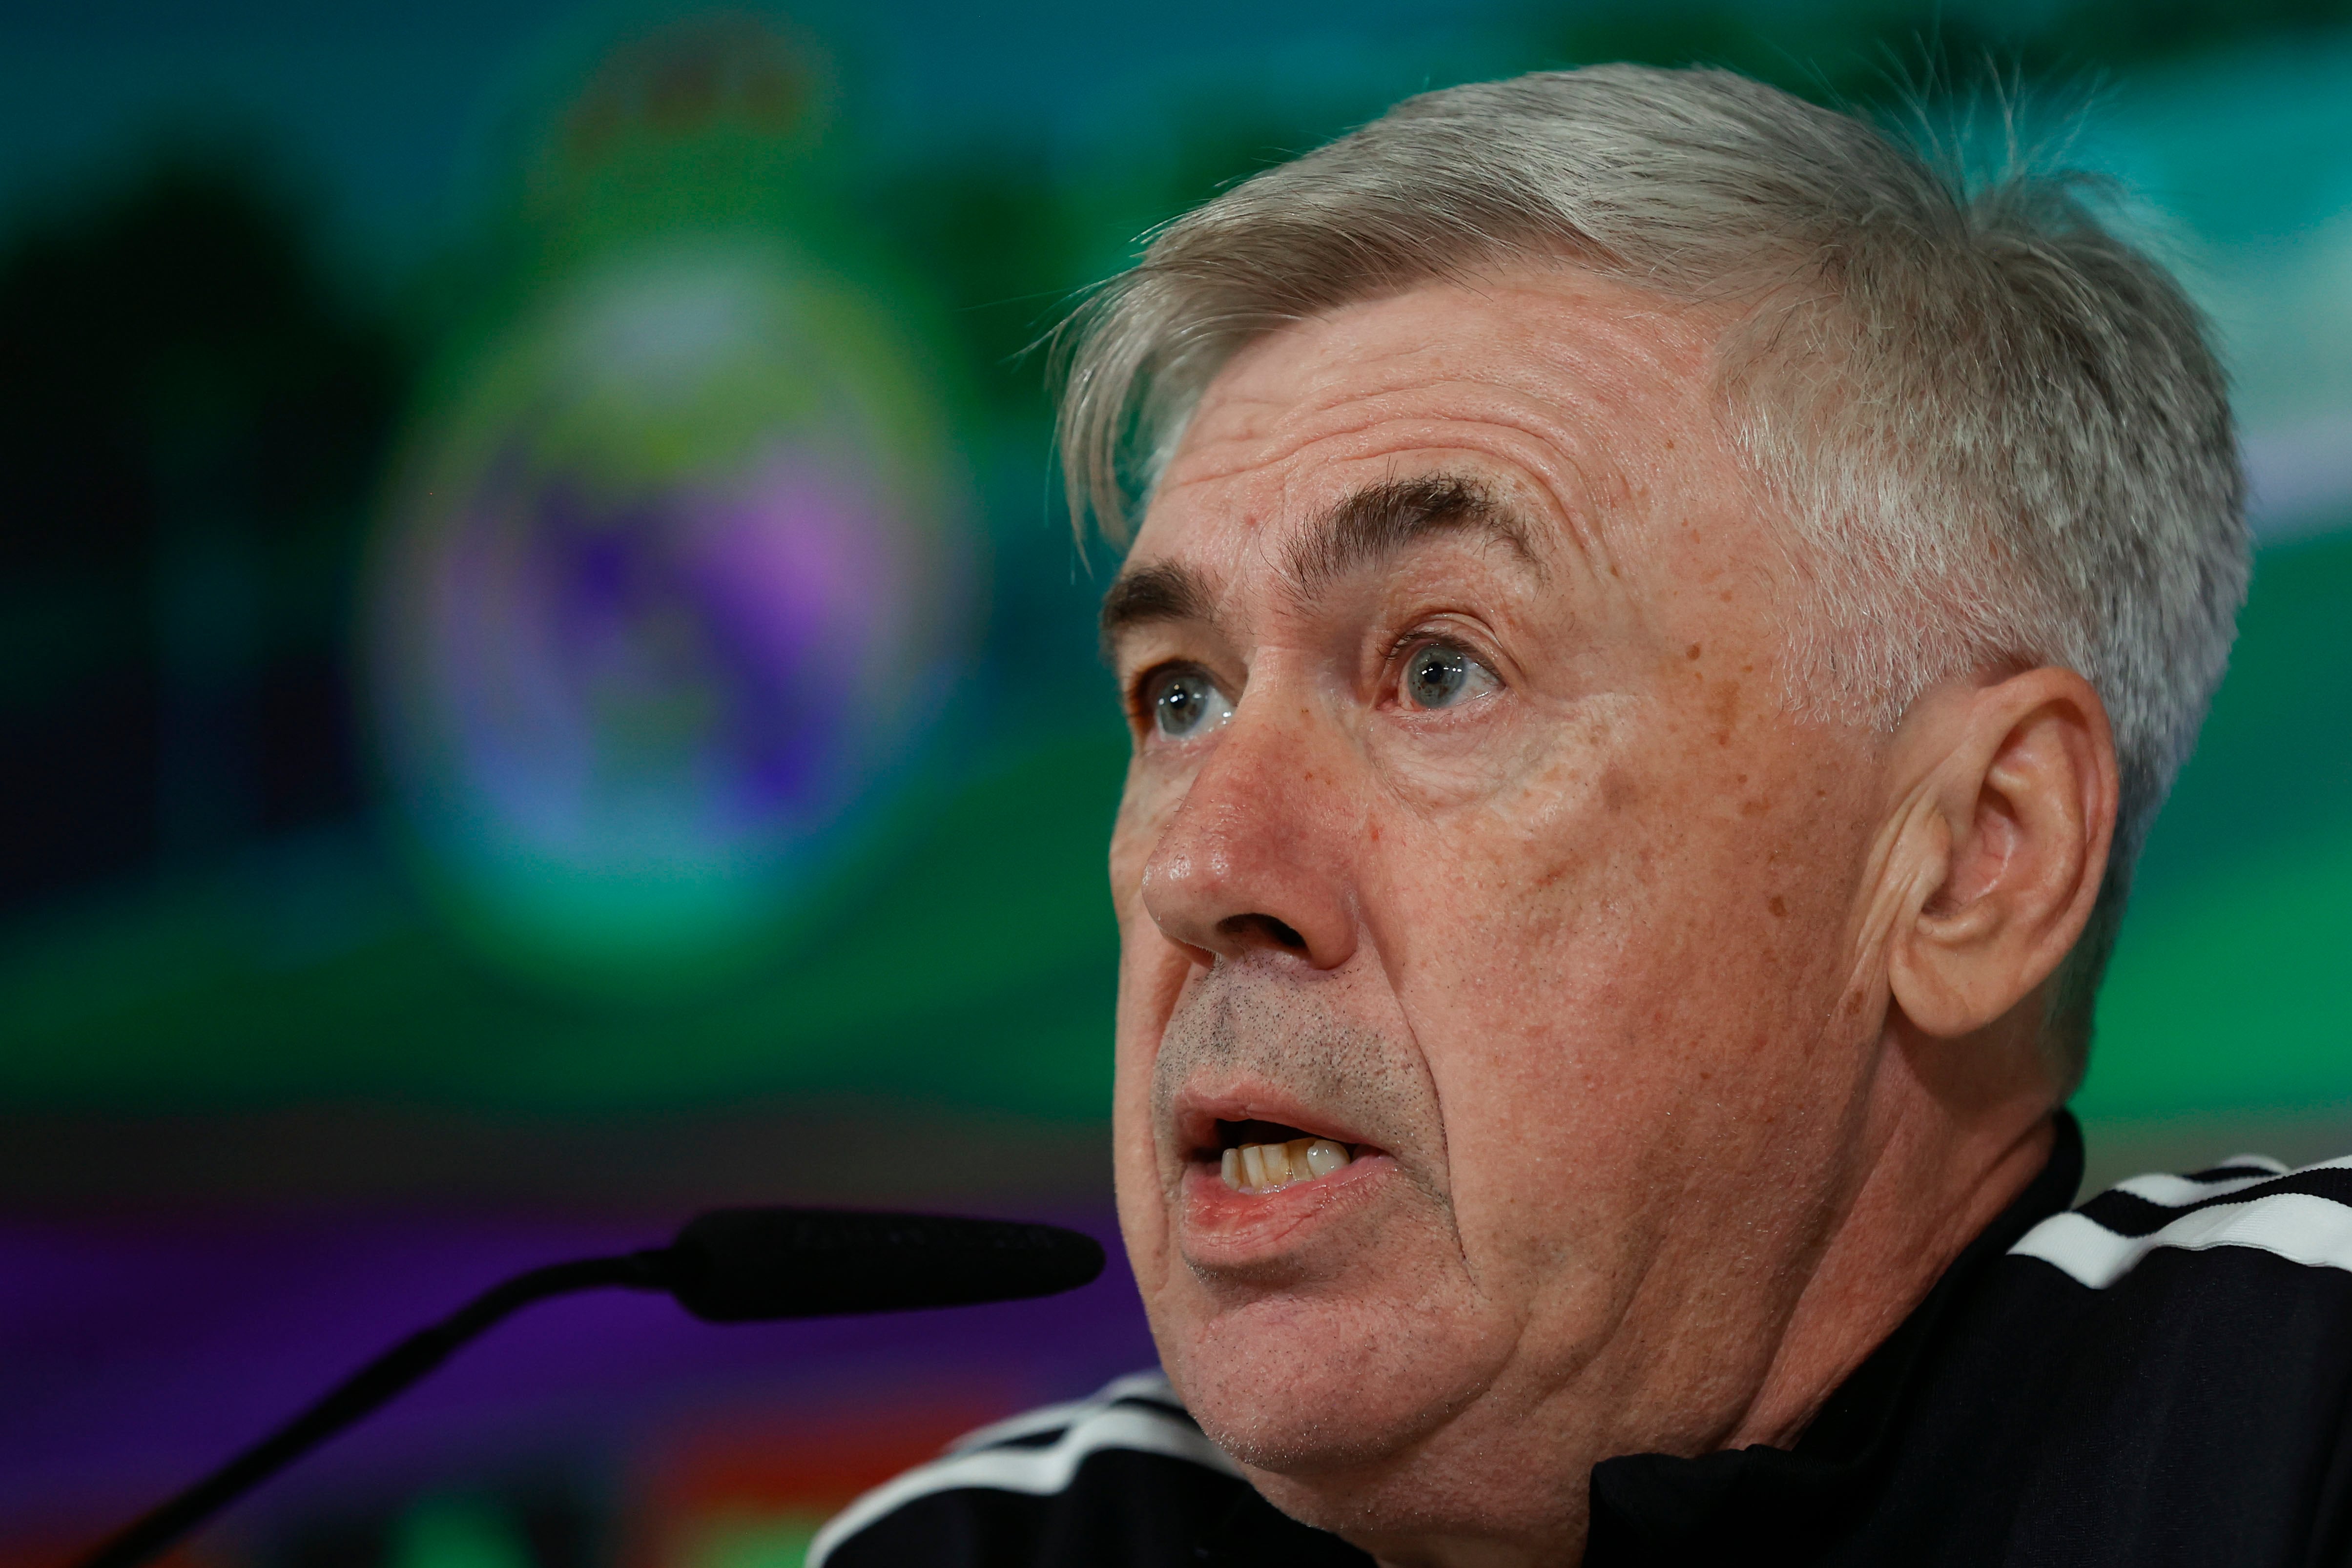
[1657,627]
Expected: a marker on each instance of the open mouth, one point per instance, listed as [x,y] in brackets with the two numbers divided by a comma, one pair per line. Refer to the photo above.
[1267,1156]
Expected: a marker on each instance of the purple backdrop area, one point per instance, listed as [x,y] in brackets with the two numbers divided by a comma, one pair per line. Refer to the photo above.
[136,1353]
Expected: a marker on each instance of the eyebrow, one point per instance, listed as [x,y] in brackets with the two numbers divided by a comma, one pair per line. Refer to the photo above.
[1360,531]
[1380,521]
[1164,592]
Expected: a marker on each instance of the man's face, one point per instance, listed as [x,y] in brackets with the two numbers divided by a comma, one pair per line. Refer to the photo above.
[1468,832]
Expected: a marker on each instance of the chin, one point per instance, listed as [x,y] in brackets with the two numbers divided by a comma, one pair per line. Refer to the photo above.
[1304,1388]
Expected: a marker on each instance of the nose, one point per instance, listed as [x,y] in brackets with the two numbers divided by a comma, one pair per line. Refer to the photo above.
[1258,858]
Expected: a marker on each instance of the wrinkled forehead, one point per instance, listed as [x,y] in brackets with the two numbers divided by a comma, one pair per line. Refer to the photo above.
[1567,403]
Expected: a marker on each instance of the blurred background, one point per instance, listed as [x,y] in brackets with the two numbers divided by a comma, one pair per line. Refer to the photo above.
[544,684]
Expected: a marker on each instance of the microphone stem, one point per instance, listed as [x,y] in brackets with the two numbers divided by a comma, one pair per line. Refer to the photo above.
[377,1382]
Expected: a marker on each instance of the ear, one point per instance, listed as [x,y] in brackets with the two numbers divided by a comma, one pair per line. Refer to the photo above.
[2002,846]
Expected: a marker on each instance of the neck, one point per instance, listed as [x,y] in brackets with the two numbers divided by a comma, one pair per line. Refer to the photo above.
[1942,1170]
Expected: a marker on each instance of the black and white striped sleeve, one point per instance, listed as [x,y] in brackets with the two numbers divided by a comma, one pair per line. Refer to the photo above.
[2303,1216]
[2202,1409]
[1122,1478]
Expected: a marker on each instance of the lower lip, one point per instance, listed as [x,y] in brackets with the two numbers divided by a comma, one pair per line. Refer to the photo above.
[1226,1229]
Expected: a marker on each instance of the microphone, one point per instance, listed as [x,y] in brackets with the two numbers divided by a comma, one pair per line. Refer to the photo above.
[730,1266]
[740,1266]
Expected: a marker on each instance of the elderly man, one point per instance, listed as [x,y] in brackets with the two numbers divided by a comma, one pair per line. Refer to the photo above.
[1658,625]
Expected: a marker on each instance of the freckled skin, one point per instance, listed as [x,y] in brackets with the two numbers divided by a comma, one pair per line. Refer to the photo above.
[1597,957]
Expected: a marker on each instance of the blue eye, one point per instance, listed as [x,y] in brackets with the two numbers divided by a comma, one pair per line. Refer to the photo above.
[1437,676]
[1186,702]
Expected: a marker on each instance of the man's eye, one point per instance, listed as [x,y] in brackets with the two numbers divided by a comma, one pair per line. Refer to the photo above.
[1185,702]
[1437,676]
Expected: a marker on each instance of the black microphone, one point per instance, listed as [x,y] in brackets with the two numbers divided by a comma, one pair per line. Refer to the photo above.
[731,1266]
[740,1266]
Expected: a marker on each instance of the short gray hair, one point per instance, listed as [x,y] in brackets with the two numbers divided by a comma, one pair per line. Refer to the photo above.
[1999,430]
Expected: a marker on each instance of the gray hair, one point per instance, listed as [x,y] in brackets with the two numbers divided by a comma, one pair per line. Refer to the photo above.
[1998,430]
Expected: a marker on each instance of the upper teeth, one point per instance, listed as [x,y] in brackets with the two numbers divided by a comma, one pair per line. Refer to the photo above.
[1268,1167]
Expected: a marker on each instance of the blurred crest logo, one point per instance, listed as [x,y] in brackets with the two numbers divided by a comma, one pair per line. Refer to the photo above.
[666,601]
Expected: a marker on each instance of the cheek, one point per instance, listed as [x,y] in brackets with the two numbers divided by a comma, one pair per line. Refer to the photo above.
[1521,938]
[1151,974]
[1513,947]
[1529,886]
[1151,971]
[1146,957]
[1148,802]
[1591,963]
